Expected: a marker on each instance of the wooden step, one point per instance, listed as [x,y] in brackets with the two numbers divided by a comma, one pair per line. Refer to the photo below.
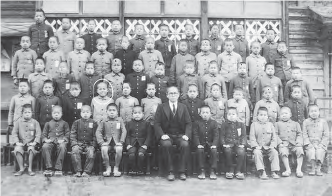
[305,50]
[305,42]
[308,57]
[306,27]
[302,21]
[310,65]
[297,12]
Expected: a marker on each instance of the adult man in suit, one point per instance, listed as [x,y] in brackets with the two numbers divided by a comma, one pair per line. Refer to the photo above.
[173,126]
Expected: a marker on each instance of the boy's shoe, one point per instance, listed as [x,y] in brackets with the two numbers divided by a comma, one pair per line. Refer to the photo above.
[58,173]
[31,173]
[48,173]
[170,176]
[229,175]
[319,173]
[286,174]
[275,175]
[183,176]
[202,175]
[140,173]
[117,173]
[107,173]
[299,174]
[86,175]
[19,173]
[263,176]
[239,176]
[312,172]
[77,174]
[213,175]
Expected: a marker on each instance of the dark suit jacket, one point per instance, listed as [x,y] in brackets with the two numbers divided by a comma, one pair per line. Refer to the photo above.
[162,119]
[139,131]
[206,132]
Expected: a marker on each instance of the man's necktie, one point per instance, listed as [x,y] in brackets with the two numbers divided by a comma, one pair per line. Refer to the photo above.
[173,110]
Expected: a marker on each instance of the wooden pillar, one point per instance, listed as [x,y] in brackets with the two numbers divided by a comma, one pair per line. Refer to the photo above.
[39,4]
[121,16]
[204,20]
[285,19]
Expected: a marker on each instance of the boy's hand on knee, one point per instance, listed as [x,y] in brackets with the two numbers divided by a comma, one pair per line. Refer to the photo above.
[16,81]
[226,146]
[164,137]
[213,147]
[19,144]
[258,147]
[200,146]
[32,144]
[185,137]
[119,144]
[48,140]
[60,141]
[128,146]
[105,144]
[145,147]
[241,146]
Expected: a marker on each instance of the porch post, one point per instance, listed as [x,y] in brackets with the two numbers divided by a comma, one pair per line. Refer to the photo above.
[204,20]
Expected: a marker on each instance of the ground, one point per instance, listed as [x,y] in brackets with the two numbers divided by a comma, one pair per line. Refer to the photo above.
[153,185]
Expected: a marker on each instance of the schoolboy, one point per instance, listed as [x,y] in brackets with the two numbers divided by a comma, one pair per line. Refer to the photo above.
[233,139]
[188,78]
[87,82]
[91,37]
[83,139]
[55,137]
[298,107]
[270,80]
[39,33]
[100,102]
[206,139]
[102,59]
[217,44]
[290,140]
[138,80]
[139,136]
[126,103]
[62,80]
[269,47]
[17,101]
[212,77]
[26,136]
[77,59]
[297,79]
[283,62]
[53,57]
[193,102]
[137,44]
[193,44]
[111,134]
[263,140]
[23,60]
[204,57]
[316,139]
[241,45]
[217,104]
[126,55]
[179,61]
[113,40]
[166,47]
[116,78]
[241,105]
[150,103]
[161,81]
[36,79]
[150,57]
[66,37]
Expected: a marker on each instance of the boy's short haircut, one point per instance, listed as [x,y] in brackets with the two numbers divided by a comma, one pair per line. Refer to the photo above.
[281,42]
[102,82]
[205,106]
[25,36]
[73,84]
[312,106]
[151,84]
[172,87]
[189,24]
[160,64]
[231,108]
[93,21]
[117,62]
[137,106]
[40,10]
[262,109]
[57,39]
[40,58]
[139,24]
[266,87]
[149,38]
[228,40]
[267,64]
[239,89]
[24,80]
[48,81]
[295,68]
[56,107]
[240,64]
[25,106]
[215,24]
[183,41]
[116,21]
[163,25]
[189,62]
[126,83]
[101,39]
[270,29]
[216,84]
[238,25]
[255,42]
[80,39]
[87,107]
[112,105]
[89,63]
[192,84]
[67,19]
[124,37]
[286,108]
[205,40]
[296,87]
[136,60]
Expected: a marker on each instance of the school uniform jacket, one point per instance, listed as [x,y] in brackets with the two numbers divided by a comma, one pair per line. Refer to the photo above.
[83,132]
[138,131]
[263,134]
[233,133]
[206,132]
[56,130]
[111,128]
[289,132]
[26,131]
[162,120]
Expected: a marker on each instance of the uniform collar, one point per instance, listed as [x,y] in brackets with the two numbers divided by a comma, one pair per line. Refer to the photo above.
[48,97]
[150,51]
[314,120]
[283,55]
[160,76]
[25,49]
[115,74]
[78,51]
[242,76]
[230,122]
[216,99]
[151,97]
[255,56]
[24,96]
[65,31]
[164,39]
[229,53]
[126,97]
[270,42]
[102,53]
[214,37]
[42,73]
[190,39]
[192,100]
[64,76]
[183,53]
[139,37]
[137,74]
[205,53]
[116,32]
[213,75]
[85,120]
[55,50]
[24,120]
[239,38]
[102,98]
[267,101]
[262,123]
[287,121]
[189,75]
[111,119]
[71,96]
[138,121]
[296,100]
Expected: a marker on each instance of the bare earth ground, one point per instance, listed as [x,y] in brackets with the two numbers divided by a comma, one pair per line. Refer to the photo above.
[153,185]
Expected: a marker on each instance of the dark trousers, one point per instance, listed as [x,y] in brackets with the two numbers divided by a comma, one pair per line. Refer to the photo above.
[167,152]
[201,156]
[229,158]
[89,157]
[136,157]
[61,150]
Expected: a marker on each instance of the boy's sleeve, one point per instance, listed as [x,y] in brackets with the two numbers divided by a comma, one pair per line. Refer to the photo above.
[124,132]
[310,93]
[279,141]
[173,49]
[30,33]
[219,61]
[247,63]
[99,133]
[247,114]
[173,71]
[160,57]
[157,123]
[33,106]
[45,132]
[67,132]
[188,124]
[281,95]
[140,56]
[37,110]
[38,133]
[73,134]
[69,62]
[149,135]
[287,91]
[224,89]
[195,134]
[254,115]
[231,87]
[243,138]
[299,135]
[258,90]
[305,134]
[215,130]
[252,136]
[34,57]
[252,93]
[274,140]
[50,31]
[247,49]
[14,66]
[15,133]
[95,125]
[179,83]
[202,84]
[11,111]
[325,136]
[222,131]
[128,134]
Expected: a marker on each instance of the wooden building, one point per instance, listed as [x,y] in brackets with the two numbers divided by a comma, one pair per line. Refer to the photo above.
[304,25]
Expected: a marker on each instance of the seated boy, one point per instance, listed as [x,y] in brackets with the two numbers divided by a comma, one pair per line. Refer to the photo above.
[111,134]
[188,78]
[233,138]
[25,136]
[290,140]
[298,107]
[55,137]
[139,135]
[206,138]
[83,139]
[193,103]
[316,139]
[263,140]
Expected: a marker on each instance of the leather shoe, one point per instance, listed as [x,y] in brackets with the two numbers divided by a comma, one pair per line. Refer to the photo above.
[183,176]
[170,176]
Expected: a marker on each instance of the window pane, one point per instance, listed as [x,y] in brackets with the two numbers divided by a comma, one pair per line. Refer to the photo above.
[101,7]
[226,9]
[183,7]
[61,6]
[142,7]
[271,9]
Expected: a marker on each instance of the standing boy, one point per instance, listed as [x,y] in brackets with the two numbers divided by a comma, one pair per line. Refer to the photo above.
[114,38]
[241,45]
[90,39]
[66,37]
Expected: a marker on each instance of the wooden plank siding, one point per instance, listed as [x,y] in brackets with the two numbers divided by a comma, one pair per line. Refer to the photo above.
[305,46]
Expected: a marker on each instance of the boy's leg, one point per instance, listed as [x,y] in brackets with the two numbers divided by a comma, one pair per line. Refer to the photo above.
[106,159]
[258,157]
[229,159]
[213,163]
[201,159]
[241,153]
[32,152]
[90,159]
[320,155]
[284,153]
[61,153]
[19,151]
[141,158]
[299,159]
[118,157]
[132,158]
[274,159]
[76,158]
[47,149]
[311,157]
